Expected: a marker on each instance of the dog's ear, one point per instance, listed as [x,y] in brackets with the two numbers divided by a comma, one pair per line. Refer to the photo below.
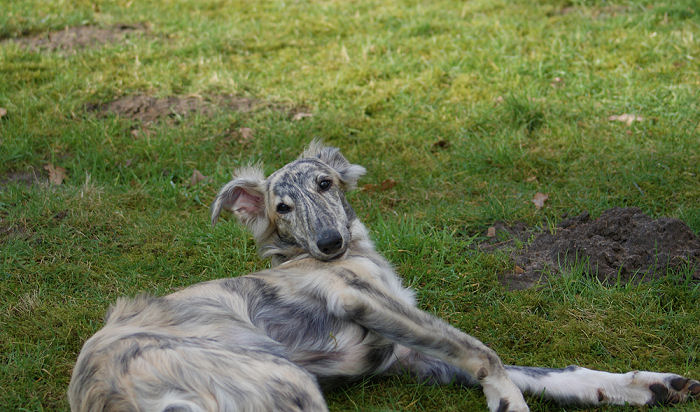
[243,196]
[349,173]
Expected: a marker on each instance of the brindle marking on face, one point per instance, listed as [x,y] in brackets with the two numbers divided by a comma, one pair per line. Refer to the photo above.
[314,213]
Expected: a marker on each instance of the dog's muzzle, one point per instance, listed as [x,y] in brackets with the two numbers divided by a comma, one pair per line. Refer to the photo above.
[329,242]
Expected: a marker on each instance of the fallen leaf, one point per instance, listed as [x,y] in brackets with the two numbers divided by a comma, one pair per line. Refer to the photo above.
[498,100]
[626,118]
[143,131]
[519,270]
[385,185]
[246,135]
[491,232]
[531,179]
[3,112]
[539,200]
[557,82]
[56,173]
[301,115]
[197,177]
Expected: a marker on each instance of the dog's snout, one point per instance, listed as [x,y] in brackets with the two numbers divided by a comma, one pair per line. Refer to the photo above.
[329,242]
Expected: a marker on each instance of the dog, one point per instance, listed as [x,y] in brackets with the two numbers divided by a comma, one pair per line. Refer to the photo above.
[330,310]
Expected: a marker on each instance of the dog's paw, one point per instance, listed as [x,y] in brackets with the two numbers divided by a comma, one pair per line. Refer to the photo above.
[509,401]
[503,396]
[673,389]
[505,406]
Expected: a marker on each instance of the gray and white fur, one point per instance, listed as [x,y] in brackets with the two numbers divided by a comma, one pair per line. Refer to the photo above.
[331,309]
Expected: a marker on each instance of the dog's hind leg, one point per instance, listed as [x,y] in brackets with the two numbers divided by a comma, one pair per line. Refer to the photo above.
[428,369]
[249,381]
[151,372]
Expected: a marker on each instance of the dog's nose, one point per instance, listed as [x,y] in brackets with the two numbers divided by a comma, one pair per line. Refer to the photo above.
[329,241]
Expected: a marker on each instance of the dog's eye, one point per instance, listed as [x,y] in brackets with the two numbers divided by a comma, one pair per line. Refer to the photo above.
[325,184]
[282,208]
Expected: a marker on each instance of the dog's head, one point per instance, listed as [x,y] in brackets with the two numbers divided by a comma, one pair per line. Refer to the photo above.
[300,208]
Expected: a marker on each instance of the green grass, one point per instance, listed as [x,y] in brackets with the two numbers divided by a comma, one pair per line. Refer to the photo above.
[385,80]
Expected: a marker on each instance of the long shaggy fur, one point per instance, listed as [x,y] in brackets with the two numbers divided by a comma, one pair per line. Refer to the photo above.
[330,310]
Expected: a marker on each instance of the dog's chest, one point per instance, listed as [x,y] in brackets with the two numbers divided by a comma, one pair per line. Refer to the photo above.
[322,343]
[295,312]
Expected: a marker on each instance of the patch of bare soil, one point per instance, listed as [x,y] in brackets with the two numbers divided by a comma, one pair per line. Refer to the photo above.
[8,231]
[25,178]
[622,243]
[594,12]
[80,37]
[504,236]
[148,109]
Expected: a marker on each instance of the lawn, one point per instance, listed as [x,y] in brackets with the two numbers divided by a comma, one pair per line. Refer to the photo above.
[460,111]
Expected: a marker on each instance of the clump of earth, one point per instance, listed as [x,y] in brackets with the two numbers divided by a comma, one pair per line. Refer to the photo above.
[79,37]
[148,109]
[623,244]
[139,107]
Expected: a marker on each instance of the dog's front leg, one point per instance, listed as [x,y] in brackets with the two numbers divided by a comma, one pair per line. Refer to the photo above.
[577,385]
[429,369]
[411,327]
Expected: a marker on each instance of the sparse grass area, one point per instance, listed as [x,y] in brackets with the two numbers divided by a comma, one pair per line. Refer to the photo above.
[385,80]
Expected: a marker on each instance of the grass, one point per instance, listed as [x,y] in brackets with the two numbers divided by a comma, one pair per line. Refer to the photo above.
[385,81]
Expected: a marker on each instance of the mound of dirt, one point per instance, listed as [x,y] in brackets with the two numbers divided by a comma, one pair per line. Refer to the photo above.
[623,243]
[148,109]
[80,37]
